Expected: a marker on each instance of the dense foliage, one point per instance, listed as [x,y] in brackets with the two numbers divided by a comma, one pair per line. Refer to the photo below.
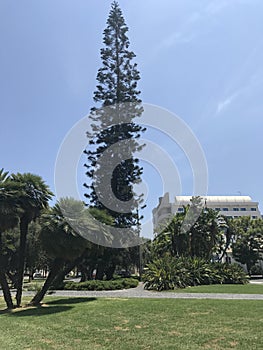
[194,256]
[122,283]
[170,273]
[247,243]
[22,199]
[204,238]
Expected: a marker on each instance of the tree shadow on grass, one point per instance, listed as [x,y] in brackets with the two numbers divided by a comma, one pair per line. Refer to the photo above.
[69,301]
[49,308]
[39,311]
[4,311]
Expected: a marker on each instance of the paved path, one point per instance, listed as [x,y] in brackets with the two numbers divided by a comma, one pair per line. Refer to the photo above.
[258,281]
[139,292]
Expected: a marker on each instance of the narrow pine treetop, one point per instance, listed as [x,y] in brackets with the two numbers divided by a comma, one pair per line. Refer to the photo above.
[118,76]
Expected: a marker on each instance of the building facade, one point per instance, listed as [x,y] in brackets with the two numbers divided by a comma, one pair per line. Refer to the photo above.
[231,206]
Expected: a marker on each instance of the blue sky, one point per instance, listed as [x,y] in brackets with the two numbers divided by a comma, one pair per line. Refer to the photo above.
[202,60]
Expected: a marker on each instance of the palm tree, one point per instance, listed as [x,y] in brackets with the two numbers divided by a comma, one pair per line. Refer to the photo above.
[8,220]
[32,196]
[60,240]
[202,239]
[61,236]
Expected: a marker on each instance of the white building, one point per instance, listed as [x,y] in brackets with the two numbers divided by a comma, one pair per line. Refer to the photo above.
[232,206]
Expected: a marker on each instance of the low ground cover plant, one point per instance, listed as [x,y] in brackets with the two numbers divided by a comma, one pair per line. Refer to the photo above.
[171,273]
[122,283]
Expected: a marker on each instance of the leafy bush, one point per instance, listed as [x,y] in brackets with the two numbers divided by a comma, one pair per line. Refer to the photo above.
[256,270]
[166,273]
[231,274]
[123,283]
[171,273]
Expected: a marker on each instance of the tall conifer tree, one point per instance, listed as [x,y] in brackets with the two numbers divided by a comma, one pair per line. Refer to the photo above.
[117,104]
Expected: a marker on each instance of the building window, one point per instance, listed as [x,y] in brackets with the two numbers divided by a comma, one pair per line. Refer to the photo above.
[243,209]
[225,209]
[253,209]
[254,217]
[180,210]
[218,209]
[235,209]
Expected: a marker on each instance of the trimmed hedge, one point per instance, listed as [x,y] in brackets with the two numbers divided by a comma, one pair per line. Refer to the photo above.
[170,273]
[123,283]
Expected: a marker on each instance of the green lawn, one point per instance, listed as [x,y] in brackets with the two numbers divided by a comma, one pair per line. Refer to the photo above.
[224,288]
[134,324]
[33,285]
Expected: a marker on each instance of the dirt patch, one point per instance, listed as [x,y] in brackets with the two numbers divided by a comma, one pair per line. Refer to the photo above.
[118,328]
[176,333]
[213,343]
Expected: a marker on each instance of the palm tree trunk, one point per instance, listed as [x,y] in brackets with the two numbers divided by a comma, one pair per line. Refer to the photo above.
[21,260]
[61,275]
[56,267]
[84,273]
[6,290]
[110,271]
[3,280]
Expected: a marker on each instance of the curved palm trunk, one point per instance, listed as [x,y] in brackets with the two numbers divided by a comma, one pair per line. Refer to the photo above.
[3,281]
[58,280]
[21,260]
[55,269]
[6,290]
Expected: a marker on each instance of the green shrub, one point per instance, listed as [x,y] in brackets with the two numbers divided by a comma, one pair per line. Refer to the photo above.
[166,273]
[256,270]
[171,273]
[232,274]
[122,283]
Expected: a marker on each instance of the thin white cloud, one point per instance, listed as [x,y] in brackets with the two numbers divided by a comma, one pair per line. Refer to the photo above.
[226,102]
[217,6]
[254,81]
[188,30]
[176,38]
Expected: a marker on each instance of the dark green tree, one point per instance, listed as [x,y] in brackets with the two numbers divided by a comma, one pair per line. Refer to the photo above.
[36,257]
[8,219]
[117,104]
[199,234]
[248,240]
[32,196]
[62,241]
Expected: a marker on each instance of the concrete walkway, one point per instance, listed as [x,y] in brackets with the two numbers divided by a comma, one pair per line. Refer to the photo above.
[139,292]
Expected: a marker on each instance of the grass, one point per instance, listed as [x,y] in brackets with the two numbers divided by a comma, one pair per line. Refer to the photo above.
[224,288]
[34,285]
[134,324]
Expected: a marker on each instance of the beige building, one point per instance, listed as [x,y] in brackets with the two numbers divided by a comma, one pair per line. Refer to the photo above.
[232,206]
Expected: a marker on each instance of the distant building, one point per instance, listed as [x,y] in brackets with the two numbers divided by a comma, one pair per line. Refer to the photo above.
[231,206]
